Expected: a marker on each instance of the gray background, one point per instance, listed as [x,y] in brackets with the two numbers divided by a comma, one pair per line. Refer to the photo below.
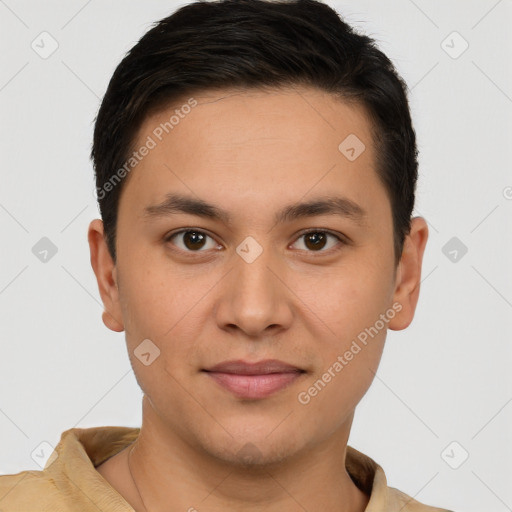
[444,379]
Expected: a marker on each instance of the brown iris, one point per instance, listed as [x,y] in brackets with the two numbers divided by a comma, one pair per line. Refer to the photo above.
[315,240]
[193,240]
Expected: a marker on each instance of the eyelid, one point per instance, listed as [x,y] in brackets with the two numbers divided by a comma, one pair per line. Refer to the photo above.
[342,239]
[168,237]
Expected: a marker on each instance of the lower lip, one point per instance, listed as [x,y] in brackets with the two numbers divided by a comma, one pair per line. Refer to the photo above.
[254,386]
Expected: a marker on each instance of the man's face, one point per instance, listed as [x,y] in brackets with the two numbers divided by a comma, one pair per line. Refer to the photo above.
[206,290]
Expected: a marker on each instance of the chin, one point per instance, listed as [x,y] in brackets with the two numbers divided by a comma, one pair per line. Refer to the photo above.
[253,447]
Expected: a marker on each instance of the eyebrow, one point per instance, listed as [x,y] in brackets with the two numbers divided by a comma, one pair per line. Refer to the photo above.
[178,203]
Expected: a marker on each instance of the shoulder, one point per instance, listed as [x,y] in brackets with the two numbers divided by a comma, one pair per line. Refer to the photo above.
[401,501]
[69,480]
[21,491]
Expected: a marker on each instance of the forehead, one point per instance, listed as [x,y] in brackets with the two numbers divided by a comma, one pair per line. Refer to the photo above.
[235,116]
[280,143]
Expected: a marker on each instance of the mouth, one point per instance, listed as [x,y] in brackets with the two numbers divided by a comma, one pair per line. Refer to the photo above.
[254,380]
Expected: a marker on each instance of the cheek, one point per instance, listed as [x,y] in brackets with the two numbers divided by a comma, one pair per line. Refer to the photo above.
[155,295]
[165,305]
[346,301]
[349,362]
[353,335]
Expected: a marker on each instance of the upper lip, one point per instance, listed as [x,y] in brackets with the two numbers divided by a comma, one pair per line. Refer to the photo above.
[241,367]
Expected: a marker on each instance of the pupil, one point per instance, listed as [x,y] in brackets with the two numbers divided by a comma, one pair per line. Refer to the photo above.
[194,240]
[317,240]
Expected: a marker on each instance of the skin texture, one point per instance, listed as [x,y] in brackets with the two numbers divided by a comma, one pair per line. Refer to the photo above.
[252,153]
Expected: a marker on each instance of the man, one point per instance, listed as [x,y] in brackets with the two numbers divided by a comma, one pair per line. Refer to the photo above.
[256,167]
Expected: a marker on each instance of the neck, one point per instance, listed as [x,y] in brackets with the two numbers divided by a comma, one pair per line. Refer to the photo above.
[170,473]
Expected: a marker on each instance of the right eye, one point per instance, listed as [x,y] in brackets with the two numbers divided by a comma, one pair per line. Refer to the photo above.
[191,240]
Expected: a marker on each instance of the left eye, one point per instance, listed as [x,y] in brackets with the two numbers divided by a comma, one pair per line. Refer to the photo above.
[317,240]
[196,241]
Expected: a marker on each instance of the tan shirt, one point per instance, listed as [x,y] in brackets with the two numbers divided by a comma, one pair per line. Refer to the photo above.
[70,482]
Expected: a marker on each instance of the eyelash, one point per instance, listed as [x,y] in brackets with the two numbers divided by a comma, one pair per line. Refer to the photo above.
[340,239]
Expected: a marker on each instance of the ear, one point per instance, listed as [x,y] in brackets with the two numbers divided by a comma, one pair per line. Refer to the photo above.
[105,271]
[408,276]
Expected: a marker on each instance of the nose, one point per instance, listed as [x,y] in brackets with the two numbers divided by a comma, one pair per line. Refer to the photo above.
[254,297]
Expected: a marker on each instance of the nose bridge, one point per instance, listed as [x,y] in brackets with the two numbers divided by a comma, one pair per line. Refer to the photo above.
[255,298]
[254,275]
[254,281]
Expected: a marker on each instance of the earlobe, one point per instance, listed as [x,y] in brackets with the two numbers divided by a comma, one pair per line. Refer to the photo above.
[111,322]
[105,272]
[408,276]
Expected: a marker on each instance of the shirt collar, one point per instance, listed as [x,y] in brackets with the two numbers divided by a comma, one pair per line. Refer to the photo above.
[81,450]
